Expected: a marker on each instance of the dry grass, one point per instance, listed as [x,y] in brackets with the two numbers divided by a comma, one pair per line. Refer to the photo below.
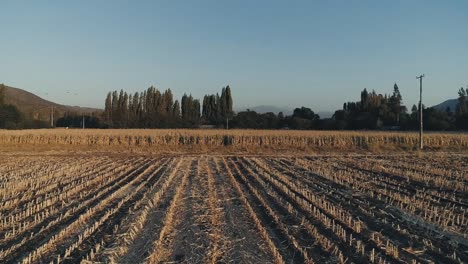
[222,141]
[234,208]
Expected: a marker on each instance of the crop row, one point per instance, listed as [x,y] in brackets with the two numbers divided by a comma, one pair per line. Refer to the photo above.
[210,209]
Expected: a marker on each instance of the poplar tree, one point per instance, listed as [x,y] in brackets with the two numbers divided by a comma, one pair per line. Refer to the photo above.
[114,110]
[395,103]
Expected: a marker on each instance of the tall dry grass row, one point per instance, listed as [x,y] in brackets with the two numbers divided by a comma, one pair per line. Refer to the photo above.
[138,138]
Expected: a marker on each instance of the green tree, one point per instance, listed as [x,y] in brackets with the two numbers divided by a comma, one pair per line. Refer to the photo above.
[10,117]
[229,102]
[225,105]
[108,108]
[303,118]
[207,110]
[134,110]
[124,110]
[364,100]
[176,110]
[195,111]
[190,111]
[115,108]
[436,120]
[168,100]
[462,107]
[151,109]
[211,110]
[461,119]
[395,103]
[185,107]
[2,94]
[120,110]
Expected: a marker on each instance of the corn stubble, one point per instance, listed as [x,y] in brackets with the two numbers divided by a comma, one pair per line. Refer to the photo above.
[142,208]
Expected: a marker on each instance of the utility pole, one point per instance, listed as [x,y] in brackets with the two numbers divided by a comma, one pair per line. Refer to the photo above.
[83,122]
[420,112]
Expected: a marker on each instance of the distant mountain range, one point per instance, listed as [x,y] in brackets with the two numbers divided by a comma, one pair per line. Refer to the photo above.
[39,108]
[261,109]
[451,103]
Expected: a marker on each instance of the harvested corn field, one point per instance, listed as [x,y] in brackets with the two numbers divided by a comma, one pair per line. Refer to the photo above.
[225,141]
[242,209]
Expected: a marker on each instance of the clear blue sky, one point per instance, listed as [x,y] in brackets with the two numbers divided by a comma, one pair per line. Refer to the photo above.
[283,53]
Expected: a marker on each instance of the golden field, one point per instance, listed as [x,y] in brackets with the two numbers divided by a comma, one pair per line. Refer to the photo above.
[222,141]
[98,208]
[237,196]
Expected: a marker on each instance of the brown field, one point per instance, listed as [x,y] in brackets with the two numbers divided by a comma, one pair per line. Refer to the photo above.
[225,141]
[148,207]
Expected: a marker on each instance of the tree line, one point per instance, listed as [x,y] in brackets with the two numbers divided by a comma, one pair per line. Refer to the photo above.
[374,111]
[154,109]
[461,113]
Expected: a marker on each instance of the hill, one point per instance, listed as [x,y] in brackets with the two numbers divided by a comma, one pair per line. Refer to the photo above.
[38,108]
[451,103]
[261,109]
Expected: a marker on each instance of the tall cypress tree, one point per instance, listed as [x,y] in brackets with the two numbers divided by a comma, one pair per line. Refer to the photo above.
[124,110]
[229,102]
[206,108]
[120,110]
[217,110]
[185,105]
[168,102]
[225,105]
[134,119]
[151,108]
[108,108]
[222,104]
[364,100]
[176,110]
[395,103]
[115,106]
[195,113]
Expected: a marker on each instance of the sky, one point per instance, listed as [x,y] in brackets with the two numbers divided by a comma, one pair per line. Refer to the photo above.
[317,54]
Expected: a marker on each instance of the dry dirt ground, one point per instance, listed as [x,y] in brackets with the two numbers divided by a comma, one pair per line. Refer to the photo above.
[99,208]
